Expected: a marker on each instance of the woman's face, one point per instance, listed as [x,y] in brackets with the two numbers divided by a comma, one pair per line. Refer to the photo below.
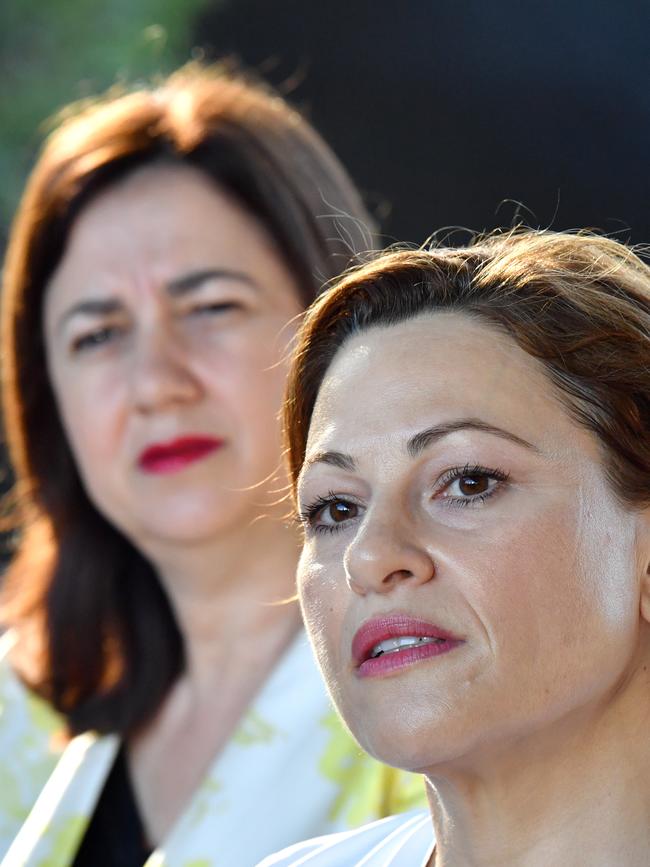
[166,332]
[468,578]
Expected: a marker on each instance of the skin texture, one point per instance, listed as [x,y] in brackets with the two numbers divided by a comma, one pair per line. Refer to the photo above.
[545,580]
[164,364]
[206,361]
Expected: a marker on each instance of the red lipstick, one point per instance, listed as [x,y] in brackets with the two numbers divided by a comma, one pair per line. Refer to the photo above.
[175,455]
[385,644]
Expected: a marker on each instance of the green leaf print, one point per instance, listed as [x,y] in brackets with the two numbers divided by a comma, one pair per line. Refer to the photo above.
[11,802]
[41,716]
[254,729]
[64,837]
[368,790]
[206,801]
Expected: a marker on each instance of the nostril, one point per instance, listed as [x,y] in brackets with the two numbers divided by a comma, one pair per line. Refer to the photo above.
[399,575]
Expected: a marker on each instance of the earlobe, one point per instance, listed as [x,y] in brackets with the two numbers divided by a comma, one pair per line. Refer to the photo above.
[645,594]
[645,575]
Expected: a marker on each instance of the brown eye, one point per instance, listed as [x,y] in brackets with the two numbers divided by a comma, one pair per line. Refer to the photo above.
[471,485]
[339,511]
[329,514]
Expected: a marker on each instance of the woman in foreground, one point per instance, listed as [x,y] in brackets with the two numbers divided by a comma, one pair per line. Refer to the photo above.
[168,239]
[469,442]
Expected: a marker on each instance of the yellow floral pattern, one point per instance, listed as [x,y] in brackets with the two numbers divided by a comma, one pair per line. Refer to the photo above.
[254,729]
[64,839]
[367,790]
[28,728]
[290,771]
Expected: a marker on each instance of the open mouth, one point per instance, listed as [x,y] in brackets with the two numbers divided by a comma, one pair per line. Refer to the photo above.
[386,644]
[394,645]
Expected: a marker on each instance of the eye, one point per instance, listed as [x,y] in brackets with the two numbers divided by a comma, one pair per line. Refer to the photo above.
[337,512]
[464,486]
[214,307]
[469,486]
[95,339]
[327,514]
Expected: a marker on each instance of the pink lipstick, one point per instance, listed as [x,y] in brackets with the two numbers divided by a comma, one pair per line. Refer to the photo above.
[175,455]
[385,644]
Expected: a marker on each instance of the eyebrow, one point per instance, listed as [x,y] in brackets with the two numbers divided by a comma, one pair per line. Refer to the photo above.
[189,282]
[92,307]
[176,288]
[334,459]
[420,441]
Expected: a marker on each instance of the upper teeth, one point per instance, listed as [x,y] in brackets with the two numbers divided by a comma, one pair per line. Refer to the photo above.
[391,645]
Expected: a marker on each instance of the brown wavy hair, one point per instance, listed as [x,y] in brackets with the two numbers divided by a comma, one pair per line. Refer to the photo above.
[578,303]
[95,633]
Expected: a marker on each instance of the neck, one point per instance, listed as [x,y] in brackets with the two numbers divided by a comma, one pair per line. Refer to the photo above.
[577,795]
[225,594]
[225,590]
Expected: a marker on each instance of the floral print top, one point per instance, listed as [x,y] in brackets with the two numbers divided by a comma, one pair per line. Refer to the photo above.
[290,771]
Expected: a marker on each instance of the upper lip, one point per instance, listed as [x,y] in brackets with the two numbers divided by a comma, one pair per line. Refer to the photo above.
[178,446]
[388,626]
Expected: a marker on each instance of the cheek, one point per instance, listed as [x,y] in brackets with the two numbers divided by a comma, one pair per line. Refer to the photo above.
[321,601]
[93,417]
[247,369]
[559,600]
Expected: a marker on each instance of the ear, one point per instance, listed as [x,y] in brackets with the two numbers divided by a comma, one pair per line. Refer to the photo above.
[644,562]
[645,596]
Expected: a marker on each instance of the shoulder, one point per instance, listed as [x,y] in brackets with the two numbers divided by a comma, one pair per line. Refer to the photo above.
[18,705]
[27,729]
[402,841]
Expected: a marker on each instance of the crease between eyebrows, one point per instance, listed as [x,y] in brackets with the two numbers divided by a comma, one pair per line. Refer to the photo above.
[176,288]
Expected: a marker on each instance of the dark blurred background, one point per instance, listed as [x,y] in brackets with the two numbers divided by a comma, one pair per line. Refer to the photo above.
[461,113]
[446,111]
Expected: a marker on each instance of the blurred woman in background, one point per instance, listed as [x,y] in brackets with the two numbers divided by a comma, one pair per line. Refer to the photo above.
[469,441]
[167,242]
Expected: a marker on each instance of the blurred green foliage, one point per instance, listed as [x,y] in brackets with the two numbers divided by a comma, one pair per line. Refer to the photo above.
[55,51]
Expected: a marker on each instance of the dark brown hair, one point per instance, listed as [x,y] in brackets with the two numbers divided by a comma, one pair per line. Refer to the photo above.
[95,632]
[578,303]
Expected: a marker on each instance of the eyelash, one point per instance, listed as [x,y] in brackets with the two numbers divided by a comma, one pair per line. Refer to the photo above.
[452,475]
[100,336]
[307,517]
[215,307]
[94,339]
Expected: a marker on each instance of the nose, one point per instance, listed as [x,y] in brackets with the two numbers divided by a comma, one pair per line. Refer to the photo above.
[162,376]
[384,555]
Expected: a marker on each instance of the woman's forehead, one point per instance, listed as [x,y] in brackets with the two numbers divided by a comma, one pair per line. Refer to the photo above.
[433,368]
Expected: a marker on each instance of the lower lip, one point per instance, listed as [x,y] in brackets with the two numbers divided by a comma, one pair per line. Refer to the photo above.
[173,462]
[388,663]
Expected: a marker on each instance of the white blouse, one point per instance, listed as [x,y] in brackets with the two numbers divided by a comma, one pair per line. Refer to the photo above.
[399,841]
[290,771]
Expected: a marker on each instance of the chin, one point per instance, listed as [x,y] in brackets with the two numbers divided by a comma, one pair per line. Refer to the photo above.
[193,524]
[414,733]
[412,747]
[181,533]
[185,521]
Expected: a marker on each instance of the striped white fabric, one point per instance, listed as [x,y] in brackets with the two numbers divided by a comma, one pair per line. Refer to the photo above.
[398,841]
